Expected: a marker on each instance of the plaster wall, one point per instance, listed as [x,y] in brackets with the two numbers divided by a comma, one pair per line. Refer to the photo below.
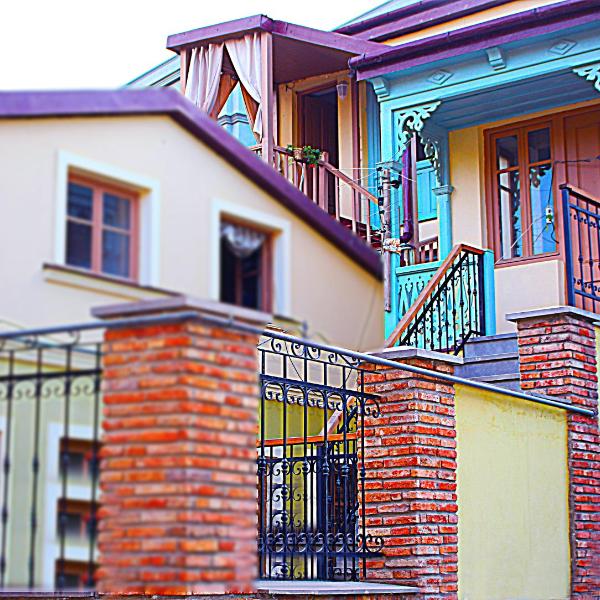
[485,15]
[512,498]
[339,299]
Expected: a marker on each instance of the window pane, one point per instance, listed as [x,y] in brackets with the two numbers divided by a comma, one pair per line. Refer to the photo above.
[251,281]
[511,222]
[79,245]
[116,211]
[507,152]
[542,209]
[538,142]
[80,200]
[115,253]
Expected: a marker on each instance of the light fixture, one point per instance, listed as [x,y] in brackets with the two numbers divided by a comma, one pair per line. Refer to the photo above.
[342,89]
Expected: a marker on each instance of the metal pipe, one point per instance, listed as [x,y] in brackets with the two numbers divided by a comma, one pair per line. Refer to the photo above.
[232,322]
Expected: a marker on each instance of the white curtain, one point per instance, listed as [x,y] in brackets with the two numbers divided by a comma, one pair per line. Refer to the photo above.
[205,76]
[246,58]
[241,240]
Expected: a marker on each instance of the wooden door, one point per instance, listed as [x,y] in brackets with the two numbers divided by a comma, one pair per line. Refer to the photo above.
[582,140]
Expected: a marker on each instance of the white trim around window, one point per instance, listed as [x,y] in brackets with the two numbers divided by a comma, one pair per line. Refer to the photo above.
[280,230]
[149,214]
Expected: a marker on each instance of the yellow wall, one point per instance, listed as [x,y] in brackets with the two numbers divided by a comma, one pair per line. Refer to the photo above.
[512,497]
[484,15]
[340,300]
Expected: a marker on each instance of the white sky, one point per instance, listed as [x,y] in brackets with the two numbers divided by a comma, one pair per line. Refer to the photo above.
[53,44]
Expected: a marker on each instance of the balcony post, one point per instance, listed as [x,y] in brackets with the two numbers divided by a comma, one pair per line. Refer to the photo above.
[178,506]
[266,47]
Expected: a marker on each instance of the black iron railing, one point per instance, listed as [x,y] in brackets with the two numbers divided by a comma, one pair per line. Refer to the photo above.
[450,309]
[310,470]
[49,440]
[581,226]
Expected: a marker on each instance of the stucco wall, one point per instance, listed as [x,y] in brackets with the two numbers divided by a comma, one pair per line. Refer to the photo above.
[512,498]
[339,299]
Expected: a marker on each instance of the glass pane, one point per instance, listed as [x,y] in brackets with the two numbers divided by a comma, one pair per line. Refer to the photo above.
[251,284]
[80,201]
[511,222]
[116,211]
[115,253]
[542,209]
[507,152]
[538,142]
[79,245]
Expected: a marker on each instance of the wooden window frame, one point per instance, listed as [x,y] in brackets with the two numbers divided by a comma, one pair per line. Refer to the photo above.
[99,188]
[521,129]
[266,267]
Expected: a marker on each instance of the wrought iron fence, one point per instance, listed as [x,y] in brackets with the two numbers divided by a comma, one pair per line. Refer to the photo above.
[581,223]
[50,414]
[310,469]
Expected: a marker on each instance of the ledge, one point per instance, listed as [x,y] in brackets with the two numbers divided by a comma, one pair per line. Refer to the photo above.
[404,352]
[331,588]
[555,311]
[180,304]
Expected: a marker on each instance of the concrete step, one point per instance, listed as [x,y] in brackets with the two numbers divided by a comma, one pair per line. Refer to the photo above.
[502,343]
[494,364]
[508,381]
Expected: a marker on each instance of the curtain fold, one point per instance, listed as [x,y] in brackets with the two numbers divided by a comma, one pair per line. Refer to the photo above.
[204,80]
[242,241]
[245,55]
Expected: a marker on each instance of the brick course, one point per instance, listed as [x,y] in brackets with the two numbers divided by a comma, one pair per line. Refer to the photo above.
[557,357]
[410,459]
[178,470]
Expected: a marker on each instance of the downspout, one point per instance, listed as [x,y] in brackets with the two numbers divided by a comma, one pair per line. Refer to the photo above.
[408,223]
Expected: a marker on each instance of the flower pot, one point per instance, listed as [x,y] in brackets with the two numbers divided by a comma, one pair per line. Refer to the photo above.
[298,154]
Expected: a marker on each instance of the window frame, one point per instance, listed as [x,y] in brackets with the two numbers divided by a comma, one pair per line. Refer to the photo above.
[266,266]
[521,129]
[100,187]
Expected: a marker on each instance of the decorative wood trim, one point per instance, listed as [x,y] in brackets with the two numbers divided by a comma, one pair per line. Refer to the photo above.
[427,291]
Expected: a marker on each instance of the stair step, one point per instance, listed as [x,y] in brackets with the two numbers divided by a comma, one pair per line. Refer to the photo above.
[503,343]
[506,380]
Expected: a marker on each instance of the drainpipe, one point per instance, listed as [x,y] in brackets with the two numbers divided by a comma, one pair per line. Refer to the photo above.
[408,224]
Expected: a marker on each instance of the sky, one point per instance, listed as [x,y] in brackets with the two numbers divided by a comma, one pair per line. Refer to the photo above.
[62,44]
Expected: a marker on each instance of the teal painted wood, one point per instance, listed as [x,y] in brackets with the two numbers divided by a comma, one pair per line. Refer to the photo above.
[373,150]
[489,292]
[427,200]
[407,284]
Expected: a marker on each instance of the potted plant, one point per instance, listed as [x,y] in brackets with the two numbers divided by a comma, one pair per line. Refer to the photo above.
[307,154]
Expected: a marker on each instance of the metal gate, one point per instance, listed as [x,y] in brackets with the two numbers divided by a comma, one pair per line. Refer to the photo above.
[311,474]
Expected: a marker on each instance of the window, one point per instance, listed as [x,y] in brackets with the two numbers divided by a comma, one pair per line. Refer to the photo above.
[245,266]
[75,516]
[522,195]
[101,228]
[72,574]
[77,456]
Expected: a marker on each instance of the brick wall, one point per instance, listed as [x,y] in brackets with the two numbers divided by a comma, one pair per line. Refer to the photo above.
[557,356]
[410,459]
[178,470]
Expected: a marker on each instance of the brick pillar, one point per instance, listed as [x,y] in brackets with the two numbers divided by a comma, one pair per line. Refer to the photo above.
[557,357]
[178,469]
[410,460]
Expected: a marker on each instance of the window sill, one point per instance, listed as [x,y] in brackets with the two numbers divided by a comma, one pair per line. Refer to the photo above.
[103,284]
[515,262]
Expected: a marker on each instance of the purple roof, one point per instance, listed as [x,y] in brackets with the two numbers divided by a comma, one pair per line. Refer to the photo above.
[526,24]
[419,15]
[321,51]
[173,104]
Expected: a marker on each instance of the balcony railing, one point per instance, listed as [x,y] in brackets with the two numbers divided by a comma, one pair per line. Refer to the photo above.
[581,224]
[332,190]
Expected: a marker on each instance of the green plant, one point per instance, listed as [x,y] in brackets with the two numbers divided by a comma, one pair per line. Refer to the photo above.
[310,155]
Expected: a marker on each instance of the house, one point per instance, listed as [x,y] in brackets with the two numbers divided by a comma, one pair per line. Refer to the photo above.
[393,99]
[183,195]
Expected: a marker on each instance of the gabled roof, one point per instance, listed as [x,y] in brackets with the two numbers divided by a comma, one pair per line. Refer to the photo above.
[169,102]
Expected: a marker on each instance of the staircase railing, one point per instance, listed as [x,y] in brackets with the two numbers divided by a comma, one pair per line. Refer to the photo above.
[336,193]
[581,223]
[451,309]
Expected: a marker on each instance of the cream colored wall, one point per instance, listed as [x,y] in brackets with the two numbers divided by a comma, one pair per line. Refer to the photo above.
[484,15]
[512,497]
[339,299]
